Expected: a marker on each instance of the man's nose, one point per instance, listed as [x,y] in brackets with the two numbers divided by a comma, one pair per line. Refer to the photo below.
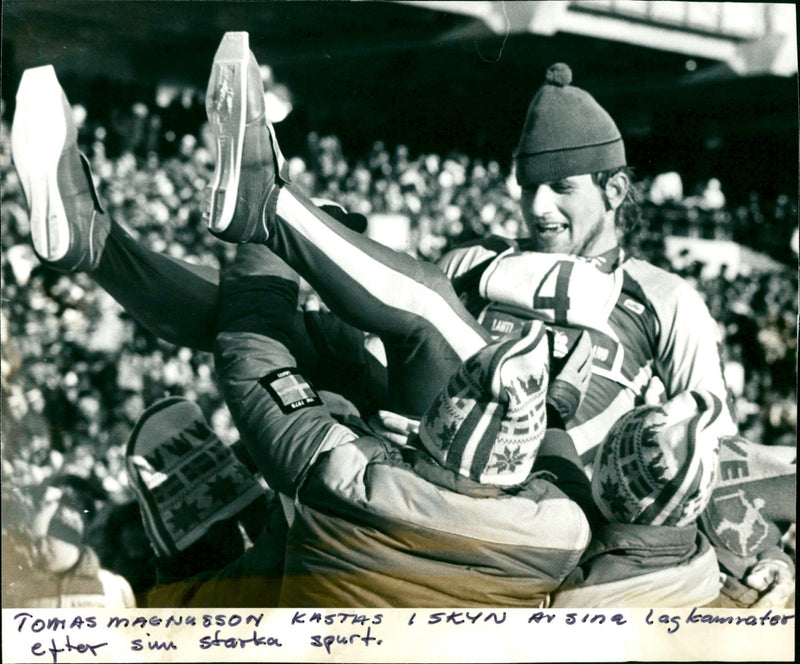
[542,201]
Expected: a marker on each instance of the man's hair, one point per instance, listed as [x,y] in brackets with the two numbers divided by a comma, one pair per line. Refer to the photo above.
[628,216]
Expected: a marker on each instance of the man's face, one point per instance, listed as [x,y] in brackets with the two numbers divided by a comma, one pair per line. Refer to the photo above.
[568,216]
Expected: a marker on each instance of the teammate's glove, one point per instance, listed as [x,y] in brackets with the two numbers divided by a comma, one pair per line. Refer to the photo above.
[355,221]
[569,378]
[770,583]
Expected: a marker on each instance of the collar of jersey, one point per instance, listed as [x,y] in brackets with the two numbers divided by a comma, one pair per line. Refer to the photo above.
[608,261]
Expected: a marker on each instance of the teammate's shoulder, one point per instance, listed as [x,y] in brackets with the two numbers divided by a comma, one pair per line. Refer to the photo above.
[496,243]
[661,285]
[643,270]
[469,254]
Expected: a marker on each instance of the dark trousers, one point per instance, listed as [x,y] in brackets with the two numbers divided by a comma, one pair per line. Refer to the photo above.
[177,301]
[409,304]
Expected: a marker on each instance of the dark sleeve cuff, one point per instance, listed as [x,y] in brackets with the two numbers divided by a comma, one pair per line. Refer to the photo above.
[260,304]
[554,419]
[558,456]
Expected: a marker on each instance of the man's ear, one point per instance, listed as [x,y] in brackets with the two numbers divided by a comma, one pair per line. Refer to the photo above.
[616,189]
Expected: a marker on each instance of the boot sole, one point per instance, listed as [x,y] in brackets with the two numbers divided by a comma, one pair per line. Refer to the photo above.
[226,107]
[37,140]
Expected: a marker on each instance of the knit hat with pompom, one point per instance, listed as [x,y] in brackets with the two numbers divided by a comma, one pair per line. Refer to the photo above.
[566,133]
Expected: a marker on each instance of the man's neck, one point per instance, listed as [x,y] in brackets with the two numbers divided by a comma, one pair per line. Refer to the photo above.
[608,261]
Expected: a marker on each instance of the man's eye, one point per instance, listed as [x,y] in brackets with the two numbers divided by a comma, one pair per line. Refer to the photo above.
[560,187]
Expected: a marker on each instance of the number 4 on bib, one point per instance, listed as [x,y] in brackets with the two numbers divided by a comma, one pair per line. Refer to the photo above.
[553,291]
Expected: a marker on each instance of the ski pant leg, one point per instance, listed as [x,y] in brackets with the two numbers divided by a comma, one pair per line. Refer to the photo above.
[173,299]
[177,302]
[410,304]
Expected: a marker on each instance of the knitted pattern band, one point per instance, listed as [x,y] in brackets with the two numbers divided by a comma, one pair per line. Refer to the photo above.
[489,420]
[184,477]
[566,133]
[658,464]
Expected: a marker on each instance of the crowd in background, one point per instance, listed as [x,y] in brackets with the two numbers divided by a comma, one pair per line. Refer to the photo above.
[77,371]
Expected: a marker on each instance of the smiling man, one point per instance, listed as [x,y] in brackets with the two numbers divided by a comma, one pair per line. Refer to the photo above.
[652,335]
[648,328]
[569,215]
[651,331]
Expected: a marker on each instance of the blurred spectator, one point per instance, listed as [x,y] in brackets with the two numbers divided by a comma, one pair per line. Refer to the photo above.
[124,548]
[46,562]
[277,97]
[666,188]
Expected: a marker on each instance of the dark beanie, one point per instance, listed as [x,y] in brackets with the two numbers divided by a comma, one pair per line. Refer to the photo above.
[566,133]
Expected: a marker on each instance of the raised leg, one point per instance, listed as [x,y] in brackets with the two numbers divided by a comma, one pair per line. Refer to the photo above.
[410,304]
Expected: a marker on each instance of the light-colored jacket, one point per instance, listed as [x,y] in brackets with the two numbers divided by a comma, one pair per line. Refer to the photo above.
[642,566]
[84,585]
[370,527]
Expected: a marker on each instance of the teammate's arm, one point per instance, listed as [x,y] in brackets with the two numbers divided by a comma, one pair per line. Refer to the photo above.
[688,353]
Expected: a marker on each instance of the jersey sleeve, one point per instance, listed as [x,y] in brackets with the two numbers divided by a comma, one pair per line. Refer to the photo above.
[281,417]
[688,355]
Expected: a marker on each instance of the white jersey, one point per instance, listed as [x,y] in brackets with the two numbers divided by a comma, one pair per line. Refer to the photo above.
[645,323]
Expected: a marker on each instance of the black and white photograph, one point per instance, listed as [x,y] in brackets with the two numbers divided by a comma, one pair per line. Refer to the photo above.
[398,331]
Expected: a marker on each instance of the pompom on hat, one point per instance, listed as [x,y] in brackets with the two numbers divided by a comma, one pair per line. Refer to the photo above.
[658,464]
[566,133]
[184,477]
[488,422]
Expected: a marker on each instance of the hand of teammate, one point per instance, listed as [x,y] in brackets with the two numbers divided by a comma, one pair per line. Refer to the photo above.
[569,385]
[774,580]
[395,428]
